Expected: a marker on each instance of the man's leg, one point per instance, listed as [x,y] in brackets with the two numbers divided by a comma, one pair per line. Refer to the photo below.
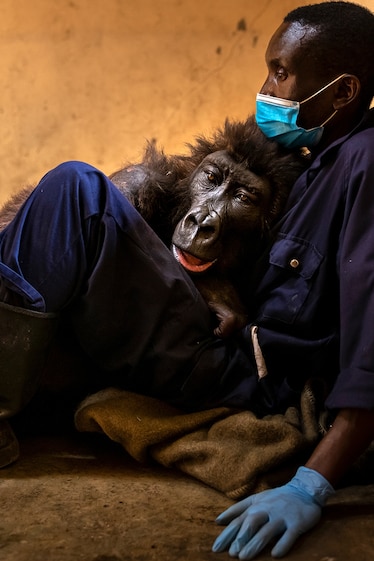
[79,248]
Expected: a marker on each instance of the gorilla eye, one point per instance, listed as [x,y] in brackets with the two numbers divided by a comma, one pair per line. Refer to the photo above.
[249,196]
[211,177]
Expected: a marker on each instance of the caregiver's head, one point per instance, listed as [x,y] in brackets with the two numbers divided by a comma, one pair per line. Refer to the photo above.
[320,58]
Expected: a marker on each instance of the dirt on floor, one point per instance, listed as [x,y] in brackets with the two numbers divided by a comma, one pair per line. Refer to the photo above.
[81,497]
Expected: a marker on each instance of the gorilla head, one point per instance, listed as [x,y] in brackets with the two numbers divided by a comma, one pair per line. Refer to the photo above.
[228,212]
[215,206]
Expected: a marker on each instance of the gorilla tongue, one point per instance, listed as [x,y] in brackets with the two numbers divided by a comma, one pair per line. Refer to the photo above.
[191,263]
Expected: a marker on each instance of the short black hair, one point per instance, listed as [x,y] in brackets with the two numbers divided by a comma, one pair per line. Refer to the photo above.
[343,42]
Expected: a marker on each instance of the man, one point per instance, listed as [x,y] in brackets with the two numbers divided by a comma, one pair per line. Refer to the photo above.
[79,250]
[315,302]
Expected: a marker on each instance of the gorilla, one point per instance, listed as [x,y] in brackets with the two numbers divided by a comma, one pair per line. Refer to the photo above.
[214,207]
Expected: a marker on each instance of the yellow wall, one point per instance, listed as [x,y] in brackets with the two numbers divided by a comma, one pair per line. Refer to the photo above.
[91,79]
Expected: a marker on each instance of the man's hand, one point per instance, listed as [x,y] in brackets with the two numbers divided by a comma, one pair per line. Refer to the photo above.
[286,511]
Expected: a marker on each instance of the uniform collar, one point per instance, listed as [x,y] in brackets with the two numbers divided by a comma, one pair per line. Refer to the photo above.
[366,122]
[302,183]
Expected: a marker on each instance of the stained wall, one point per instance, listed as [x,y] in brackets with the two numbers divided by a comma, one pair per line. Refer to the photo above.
[92,79]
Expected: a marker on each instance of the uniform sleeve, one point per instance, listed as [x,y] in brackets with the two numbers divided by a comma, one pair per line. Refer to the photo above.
[354,387]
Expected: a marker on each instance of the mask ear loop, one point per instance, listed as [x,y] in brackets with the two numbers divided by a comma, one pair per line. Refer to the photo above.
[324,88]
[329,118]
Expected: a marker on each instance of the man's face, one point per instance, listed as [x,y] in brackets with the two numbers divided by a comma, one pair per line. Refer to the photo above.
[293,73]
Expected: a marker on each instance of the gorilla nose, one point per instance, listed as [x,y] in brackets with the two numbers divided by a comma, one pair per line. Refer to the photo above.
[199,233]
[205,223]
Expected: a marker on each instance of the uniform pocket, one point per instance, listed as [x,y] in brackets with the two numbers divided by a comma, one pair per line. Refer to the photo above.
[293,267]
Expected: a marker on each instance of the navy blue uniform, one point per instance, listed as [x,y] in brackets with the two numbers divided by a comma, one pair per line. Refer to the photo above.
[78,247]
[315,301]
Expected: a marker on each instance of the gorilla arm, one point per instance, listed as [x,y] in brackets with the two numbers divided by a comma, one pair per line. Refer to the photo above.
[222,299]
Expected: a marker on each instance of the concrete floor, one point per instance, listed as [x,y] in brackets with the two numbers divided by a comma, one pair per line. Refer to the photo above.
[79,496]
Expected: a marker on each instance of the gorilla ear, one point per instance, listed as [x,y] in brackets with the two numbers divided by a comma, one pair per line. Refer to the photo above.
[346,90]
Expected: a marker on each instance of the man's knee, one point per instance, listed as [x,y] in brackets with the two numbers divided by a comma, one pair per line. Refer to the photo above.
[74,186]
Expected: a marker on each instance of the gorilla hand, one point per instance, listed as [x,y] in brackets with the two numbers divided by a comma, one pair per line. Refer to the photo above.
[223,300]
[229,320]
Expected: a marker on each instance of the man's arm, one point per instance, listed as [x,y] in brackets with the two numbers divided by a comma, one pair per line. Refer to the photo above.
[350,435]
[288,511]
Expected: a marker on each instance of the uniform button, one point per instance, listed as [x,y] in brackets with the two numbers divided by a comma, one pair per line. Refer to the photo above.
[294,263]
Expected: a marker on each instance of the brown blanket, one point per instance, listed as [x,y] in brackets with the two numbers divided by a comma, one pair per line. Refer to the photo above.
[230,450]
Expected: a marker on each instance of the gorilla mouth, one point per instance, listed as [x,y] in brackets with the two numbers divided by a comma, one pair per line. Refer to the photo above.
[190,262]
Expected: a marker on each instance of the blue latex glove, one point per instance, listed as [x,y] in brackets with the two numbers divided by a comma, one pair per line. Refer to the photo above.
[286,511]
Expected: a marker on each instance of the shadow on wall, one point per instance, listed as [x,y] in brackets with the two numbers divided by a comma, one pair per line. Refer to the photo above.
[91,80]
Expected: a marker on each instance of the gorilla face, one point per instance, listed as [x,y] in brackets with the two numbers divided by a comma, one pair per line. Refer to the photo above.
[226,217]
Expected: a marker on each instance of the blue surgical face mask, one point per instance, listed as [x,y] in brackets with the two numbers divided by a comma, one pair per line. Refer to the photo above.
[277,118]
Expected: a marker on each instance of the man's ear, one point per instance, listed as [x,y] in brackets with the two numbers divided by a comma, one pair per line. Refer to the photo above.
[346,90]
